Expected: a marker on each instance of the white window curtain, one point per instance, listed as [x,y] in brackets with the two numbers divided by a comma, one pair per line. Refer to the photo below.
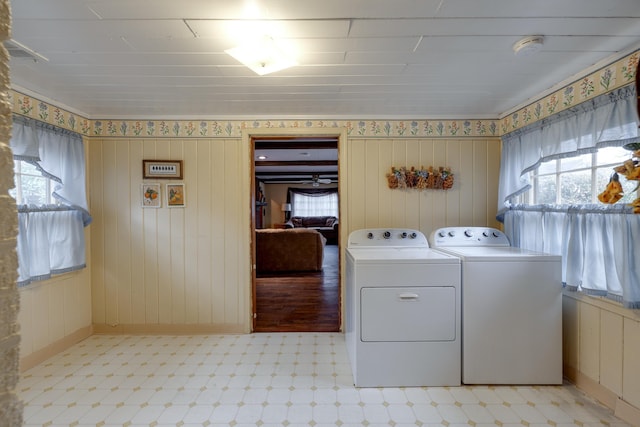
[314,203]
[51,238]
[607,120]
[598,244]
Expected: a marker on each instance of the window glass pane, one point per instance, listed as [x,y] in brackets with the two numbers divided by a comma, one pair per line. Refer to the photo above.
[315,206]
[546,190]
[573,163]
[28,168]
[34,190]
[547,167]
[612,155]
[575,187]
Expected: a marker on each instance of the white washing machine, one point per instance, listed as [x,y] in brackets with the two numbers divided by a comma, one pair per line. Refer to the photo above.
[402,323]
[511,308]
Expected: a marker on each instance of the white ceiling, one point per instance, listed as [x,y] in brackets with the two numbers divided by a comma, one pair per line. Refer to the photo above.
[357,58]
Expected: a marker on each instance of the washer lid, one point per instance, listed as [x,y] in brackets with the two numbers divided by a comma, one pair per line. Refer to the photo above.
[400,255]
[498,253]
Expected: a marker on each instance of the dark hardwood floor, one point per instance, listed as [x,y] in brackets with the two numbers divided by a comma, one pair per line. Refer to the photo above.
[300,302]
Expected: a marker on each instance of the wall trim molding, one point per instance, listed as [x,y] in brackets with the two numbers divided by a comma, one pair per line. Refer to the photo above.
[54,348]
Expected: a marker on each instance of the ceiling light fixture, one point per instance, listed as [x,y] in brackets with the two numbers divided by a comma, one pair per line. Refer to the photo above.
[528,45]
[262,56]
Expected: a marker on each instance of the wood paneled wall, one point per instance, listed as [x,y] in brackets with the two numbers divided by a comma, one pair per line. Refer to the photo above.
[601,352]
[170,266]
[188,269]
[472,200]
[54,314]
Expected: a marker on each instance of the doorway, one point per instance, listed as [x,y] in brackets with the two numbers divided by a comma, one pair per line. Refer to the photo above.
[293,301]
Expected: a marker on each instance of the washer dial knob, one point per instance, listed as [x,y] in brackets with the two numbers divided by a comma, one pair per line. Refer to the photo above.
[386,234]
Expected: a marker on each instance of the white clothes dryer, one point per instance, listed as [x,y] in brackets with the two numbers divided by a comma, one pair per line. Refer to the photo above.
[511,308]
[402,323]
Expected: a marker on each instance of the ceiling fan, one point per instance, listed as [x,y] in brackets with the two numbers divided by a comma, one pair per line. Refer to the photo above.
[316,180]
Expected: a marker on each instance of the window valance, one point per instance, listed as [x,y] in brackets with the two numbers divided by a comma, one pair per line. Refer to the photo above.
[607,120]
[58,154]
[310,192]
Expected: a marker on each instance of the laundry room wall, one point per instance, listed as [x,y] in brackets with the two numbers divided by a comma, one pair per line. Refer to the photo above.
[601,352]
[187,269]
[170,269]
[475,163]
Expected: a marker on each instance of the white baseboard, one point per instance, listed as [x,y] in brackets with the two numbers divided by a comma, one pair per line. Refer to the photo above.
[621,409]
[54,348]
[168,329]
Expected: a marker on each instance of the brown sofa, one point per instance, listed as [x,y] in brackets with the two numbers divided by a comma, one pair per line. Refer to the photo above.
[293,249]
[326,225]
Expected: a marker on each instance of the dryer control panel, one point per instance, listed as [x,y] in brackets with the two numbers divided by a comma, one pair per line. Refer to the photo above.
[468,236]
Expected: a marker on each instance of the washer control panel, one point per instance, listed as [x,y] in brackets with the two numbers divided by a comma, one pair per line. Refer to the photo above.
[387,237]
[468,236]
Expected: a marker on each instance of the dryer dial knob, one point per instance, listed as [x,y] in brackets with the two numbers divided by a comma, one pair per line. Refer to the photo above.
[386,234]
[413,235]
[403,235]
[495,234]
[485,233]
[452,233]
[468,233]
[369,235]
[442,233]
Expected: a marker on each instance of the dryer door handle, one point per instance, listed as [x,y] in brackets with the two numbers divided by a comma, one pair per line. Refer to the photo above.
[408,296]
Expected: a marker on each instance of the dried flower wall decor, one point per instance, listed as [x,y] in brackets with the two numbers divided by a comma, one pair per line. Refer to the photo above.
[421,179]
[630,169]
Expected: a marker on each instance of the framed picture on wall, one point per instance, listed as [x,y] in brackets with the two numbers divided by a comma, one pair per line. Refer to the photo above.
[175,195]
[151,197]
[162,169]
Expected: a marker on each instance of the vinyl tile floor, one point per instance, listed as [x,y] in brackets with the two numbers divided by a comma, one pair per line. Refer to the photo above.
[270,379]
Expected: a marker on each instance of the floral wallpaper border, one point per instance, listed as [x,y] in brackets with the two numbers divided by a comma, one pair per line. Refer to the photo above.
[613,76]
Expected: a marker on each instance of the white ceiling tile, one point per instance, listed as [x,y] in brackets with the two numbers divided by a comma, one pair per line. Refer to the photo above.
[538,8]
[96,29]
[240,30]
[51,10]
[449,58]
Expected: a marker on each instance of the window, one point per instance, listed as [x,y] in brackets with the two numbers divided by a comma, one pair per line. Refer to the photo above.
[578,180]
[31,188]
[49,176]
[562,214]
[310,204]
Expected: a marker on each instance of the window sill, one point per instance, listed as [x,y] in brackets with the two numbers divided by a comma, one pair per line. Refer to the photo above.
[604,304]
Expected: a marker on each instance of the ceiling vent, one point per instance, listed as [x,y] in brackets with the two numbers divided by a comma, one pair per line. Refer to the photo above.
[19,51]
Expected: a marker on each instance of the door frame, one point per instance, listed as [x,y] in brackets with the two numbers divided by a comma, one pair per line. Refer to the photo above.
[248,138]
